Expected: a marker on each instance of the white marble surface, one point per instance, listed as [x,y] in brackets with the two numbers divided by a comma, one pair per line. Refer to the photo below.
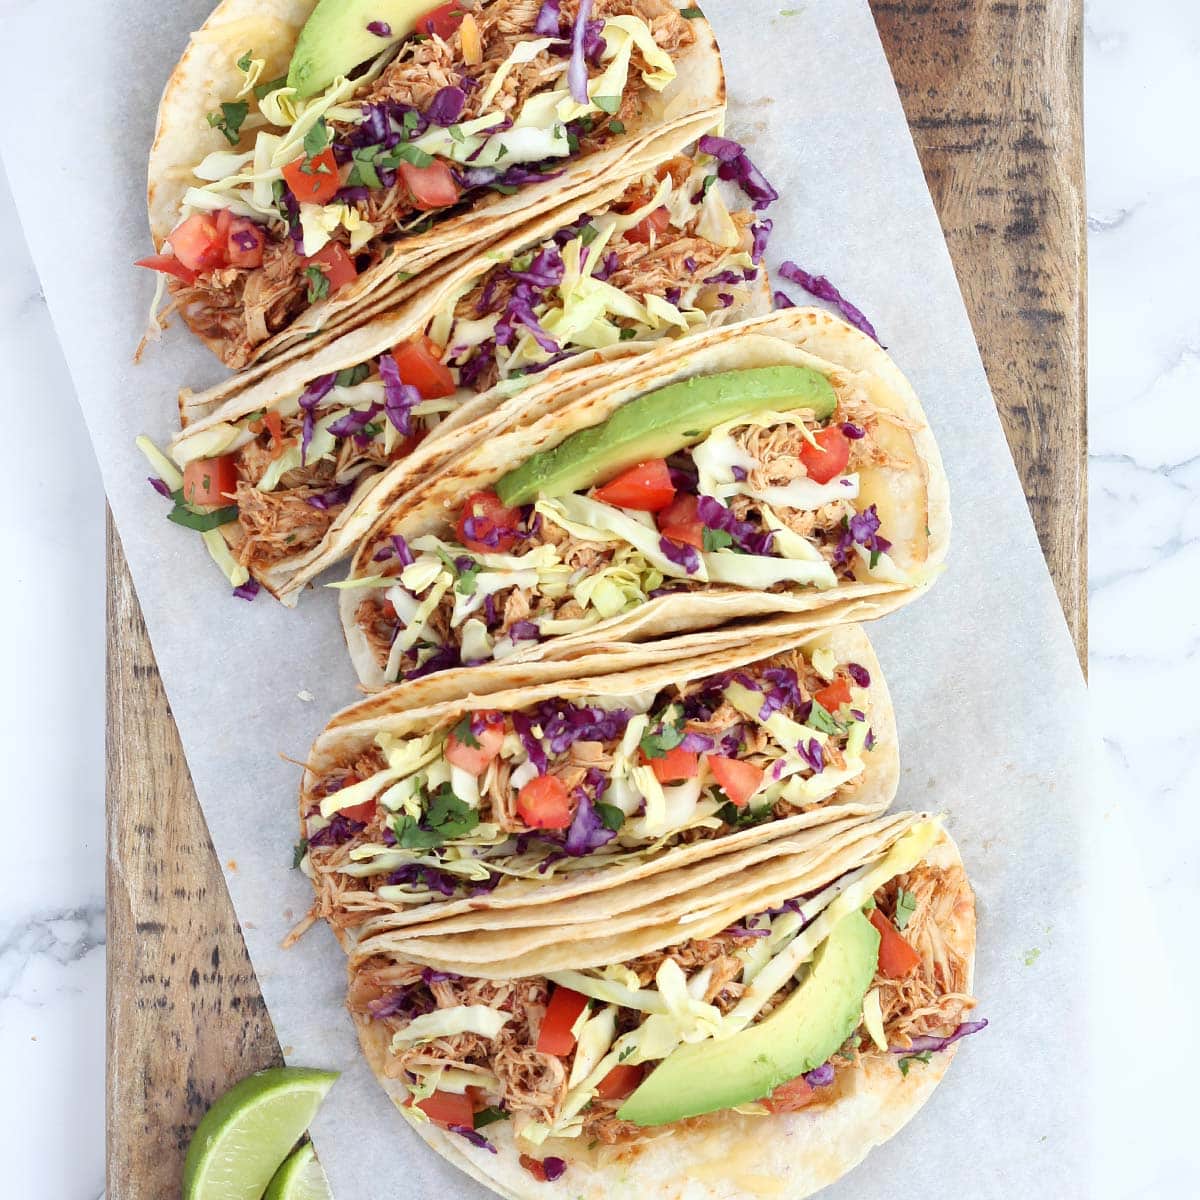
[1142,91]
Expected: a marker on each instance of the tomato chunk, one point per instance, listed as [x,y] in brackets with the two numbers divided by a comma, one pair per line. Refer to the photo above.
[487,731]
[359,812]
[314,180]
[896,957]
[737,779]
[790,1096]
[244,243]
[449,1108]
[834,696]
[680,521]
[619,1082]
[198,242]
[675,765]
[335,264]
[830,460]
[543,803]
[533,1166]
[211,482]
[419,362]
[431,187]
[650,228]
[646,487]
[555,1036]
[167,264]
[443,20]
[486,524]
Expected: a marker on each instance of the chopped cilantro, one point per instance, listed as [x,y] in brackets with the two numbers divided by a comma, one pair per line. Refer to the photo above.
[501,152]
[243,63]
[410,120]
[626,1053]
[445,817]
[611,817]
[456,133]
[709,180]
[363,172]
[616,126]
[200,519]
[820,718]
[690,14]
[904,1063]
[352,376]
[262,90]
[316,139]
[874,559]
[665,736]
[906,905]
[298,852]
[588,234]
[464,734]
[372,429]
[318,284]
[505,189]
[627,335]
[742,818]
[229,120]
[716,539]
[489,1116]
[572,142]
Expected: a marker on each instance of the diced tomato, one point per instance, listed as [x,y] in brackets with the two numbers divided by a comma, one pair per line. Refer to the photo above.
[272,422]
[534,1167]
[543,803]
[680,522]
[619,1082]
[822,465]
[336,265]
[650,228]
[314,180]
[675,765]
[360,812]
[198,242]
[443,20]
[486,524]
[419,362]
[407,445]
[646,487]
[834,696]
[211,482]
[449,1108]
[737,779]
[430,187]
[896,957]
[168,264]
[555,1036]
[487,728]
[244,243]
[790,1096]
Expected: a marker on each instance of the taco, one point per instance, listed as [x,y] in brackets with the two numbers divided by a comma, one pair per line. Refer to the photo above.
[774,468]
[415,813]
[311,157]
[779,1041]
[311,453]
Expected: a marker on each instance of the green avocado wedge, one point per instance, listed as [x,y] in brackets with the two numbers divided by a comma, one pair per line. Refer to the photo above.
[662,422]
[336,38]
[800,1035]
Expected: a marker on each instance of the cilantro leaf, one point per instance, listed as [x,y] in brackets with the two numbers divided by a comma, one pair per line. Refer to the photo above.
[616,126]
[489,1116]
[318,284]
[906,905]
[262,90]
[820,718]
[298,852]
[908,1059]
[200,519]
[243,63]
[464,734]
[690,14]
[316,139]
[352,376]
[229,120]
[742,818]
[611,817]
[716,539]
[656,741]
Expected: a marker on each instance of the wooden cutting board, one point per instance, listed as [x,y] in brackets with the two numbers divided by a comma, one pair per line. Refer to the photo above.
[992,93]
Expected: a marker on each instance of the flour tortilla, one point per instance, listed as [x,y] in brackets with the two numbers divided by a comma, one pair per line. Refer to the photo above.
[207,75]
[721,1156]
[401,320]
[353,731]
[912,497]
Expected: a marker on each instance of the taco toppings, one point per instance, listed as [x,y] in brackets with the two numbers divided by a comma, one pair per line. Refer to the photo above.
[483,99]
[779,1011]
[566,784]
[743,479]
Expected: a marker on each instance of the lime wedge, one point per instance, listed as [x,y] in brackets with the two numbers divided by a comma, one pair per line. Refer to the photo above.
[249,1131]
[300,1178]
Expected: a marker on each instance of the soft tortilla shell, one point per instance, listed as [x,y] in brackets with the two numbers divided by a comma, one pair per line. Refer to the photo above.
[912,499]
[207,74]
[723,1156]
[353,731]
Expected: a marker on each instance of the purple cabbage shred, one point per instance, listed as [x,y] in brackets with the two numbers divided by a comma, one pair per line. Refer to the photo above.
[819,286]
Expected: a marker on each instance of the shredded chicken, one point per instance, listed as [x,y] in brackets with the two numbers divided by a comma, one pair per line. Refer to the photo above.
[278,525]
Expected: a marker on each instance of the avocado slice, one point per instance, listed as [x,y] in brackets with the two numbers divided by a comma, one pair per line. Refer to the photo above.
[335,38]
[660,423]
[800,1035]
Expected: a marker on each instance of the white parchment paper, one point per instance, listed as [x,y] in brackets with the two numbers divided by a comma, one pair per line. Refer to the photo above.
[988,693]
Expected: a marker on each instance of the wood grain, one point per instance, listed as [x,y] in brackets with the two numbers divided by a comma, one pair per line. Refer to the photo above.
[992,95]
[185,1016]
